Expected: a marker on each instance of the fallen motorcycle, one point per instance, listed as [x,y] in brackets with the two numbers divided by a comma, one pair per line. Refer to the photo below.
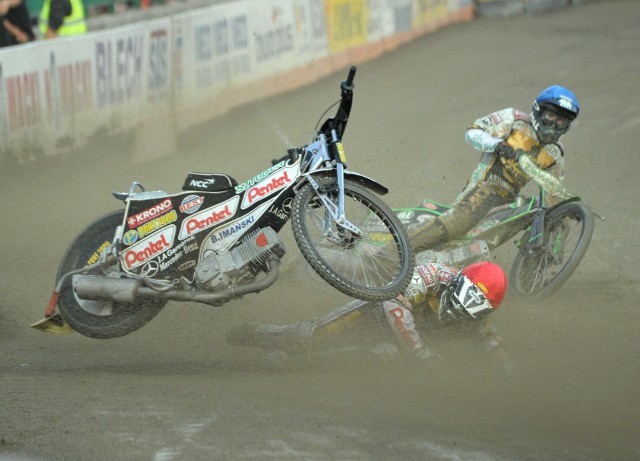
[552,242]
[218,240]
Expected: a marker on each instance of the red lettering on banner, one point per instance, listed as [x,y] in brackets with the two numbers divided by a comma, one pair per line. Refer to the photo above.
[136,220]
[75,87]
[23,100]
[195,224]
[133,258]
[259,192]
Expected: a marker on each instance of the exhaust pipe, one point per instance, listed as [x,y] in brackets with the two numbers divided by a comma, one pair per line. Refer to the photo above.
[94,287]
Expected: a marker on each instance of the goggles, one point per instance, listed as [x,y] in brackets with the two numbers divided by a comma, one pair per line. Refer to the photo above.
[468,298]
[550,118]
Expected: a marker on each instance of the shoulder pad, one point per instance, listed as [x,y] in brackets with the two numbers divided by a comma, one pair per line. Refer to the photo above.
[519,115]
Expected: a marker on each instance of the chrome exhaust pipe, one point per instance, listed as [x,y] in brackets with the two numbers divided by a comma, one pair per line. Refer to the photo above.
[95,287]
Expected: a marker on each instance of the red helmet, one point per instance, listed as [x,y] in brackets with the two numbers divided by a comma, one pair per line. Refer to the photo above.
[479,288]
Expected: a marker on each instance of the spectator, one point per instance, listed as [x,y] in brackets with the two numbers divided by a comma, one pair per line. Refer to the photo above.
[62,18]
[15,27]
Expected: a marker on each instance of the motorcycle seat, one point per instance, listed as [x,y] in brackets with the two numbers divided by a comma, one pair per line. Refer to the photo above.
[208,182]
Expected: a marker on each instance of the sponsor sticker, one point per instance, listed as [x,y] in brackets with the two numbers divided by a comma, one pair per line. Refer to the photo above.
[202,183]
[96,254]
[222,237]
[186,265]
[191,203]
[158,209]
[130,237]
[496,118]
[157,223]
[148,248]
[245,185]
[208,218]
[426,275]
[269,186]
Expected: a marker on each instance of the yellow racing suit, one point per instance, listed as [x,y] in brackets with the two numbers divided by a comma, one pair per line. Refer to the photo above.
[497,180]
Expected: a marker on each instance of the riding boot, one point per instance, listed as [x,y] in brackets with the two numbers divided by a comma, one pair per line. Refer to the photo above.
[287,338]
[299,336]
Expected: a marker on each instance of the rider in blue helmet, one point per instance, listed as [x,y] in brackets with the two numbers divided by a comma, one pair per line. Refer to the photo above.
[516,147]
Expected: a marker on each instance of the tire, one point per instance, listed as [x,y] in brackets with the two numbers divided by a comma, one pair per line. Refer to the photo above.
[568,231]
[374,267]
[99,319]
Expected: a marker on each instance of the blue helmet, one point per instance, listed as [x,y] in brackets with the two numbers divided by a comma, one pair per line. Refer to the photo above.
[553,111]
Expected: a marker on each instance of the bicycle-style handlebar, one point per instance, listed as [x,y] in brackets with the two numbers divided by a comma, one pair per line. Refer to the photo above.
[339,122]
[348,84]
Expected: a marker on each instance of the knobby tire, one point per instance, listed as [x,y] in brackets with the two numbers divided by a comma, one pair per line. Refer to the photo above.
[99,319]
[542,272]
[373,267]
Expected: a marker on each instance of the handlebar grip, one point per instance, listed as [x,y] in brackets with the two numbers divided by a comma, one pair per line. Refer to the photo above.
[352,74]
[292,154]
[347,85]
[275,161]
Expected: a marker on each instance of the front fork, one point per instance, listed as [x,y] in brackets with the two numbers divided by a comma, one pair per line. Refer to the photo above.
[335,153]
[334,212]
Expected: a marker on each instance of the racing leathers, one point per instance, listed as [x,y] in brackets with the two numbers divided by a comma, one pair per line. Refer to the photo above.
[382,326]
[497,179]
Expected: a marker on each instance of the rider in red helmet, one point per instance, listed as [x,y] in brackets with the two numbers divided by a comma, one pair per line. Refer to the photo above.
[439,297]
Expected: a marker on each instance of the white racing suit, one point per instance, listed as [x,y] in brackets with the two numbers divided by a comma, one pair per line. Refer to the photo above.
[496,180]
[407,317]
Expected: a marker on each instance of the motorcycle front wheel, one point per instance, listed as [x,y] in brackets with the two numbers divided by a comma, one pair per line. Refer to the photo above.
[374,266]
[539,272]
[99,319]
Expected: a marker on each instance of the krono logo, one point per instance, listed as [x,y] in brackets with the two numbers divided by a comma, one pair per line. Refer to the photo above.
[149,247]
[150,213]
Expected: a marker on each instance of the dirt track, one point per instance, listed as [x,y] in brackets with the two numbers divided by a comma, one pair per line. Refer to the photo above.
[174,390]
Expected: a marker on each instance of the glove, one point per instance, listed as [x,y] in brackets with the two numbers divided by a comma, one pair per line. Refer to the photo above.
[505,150]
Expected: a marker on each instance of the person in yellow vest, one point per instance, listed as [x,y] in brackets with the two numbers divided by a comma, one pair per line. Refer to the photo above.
[516,148]
[62,18]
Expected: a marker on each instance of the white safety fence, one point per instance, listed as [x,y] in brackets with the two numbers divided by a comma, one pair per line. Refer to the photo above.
[167,74]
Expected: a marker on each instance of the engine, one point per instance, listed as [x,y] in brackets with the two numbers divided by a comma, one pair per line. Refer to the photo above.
[241,264]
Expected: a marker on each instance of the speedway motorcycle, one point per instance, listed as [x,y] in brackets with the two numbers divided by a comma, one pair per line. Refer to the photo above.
[217,240]
[551,240]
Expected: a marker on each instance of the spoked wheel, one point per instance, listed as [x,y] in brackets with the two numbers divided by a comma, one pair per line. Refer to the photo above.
[568,231]
[99,319]
[373,265]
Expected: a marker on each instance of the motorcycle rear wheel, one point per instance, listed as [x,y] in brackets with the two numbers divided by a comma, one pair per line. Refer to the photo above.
[375,266]
[568,232]
[99,319]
